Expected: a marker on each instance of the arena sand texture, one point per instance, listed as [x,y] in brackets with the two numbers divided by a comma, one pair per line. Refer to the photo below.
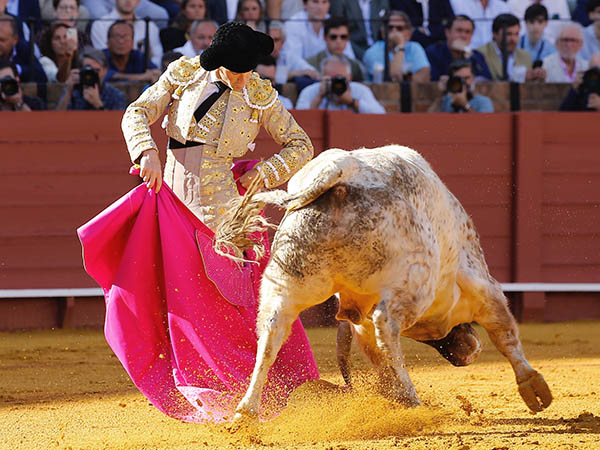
[64,389]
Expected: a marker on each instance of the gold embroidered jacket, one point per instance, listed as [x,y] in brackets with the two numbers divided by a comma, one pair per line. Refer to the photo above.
[245,111]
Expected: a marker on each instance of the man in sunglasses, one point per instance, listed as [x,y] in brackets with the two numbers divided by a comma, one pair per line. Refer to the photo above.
[337,35]
[87,94]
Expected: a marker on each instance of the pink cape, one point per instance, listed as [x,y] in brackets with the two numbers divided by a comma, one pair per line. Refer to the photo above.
[180,318]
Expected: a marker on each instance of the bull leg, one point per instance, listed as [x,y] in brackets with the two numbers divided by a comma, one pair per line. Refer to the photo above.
[501,326]
[343,347]
[274,326]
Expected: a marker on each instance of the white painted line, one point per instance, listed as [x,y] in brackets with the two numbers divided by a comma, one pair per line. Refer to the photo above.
[35,293]
[551,287]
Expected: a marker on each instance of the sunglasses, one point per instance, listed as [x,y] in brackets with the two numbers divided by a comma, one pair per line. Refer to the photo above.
[396,27]
[333,37]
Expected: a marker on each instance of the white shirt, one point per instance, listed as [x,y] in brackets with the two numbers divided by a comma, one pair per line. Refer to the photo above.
[99,35]
[510,63]
[556,9]
[556,70]
[483,17]
[231,9]
[289,62]
[367,103]
[12,7]
[425,8]
[302,40]
[591,43]
[365,9]
[188,50]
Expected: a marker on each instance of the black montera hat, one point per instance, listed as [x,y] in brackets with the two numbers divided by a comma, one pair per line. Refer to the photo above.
[236,47]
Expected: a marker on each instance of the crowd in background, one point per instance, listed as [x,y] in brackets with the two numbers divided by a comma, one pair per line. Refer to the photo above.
[327,48]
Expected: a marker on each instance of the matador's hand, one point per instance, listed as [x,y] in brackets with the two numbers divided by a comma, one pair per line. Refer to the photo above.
[150,169]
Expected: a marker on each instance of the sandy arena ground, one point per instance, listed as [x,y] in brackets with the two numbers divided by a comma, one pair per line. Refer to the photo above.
[64,389]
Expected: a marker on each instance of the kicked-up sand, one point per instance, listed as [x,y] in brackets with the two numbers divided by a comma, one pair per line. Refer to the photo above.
[64,389]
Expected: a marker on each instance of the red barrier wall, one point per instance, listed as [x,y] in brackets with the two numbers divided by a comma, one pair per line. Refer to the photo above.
[530,181]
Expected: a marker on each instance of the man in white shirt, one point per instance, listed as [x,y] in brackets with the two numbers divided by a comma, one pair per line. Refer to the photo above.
[483,12]
[124,10]
[563,66]
[336,91]
[591,34]
[145,8]
[201,34]
[558,12]
[304,30]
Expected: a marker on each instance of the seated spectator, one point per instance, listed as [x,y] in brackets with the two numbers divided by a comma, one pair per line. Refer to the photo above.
[125,63]
[124,11]
[290,66]
[69,12]
[429,18]
[407,59]
[305,32]
[580,13]
[59,50]
[365,19]
[283,9]
[558,12]
[518,63]
[201,34]
[591,34]
[266,68]
[11,93]
[14,50]
[337,91]
[337,35]
[483,12]
[143,9]
[85,88]
[536,20]
[563,66]
[13,10]
[458,91]
[457,46]
[585,93]
[175,35]
[252,14]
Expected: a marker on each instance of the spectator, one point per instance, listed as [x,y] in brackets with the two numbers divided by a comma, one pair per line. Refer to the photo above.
[283,9]
[14,50]
[580,13]
[305,33]
[59,50]
[337,91]
[175,35]
[363,33]
[429,18]
[591,34]
[267,68]
[585,93]
[337,35]
[69,12]
[125,63]
[201,34]
[458,91]
[11,93]
[558,12]
[290,66]
[483,12]
[168,58]
[13,11]
[86,89]
[143,9]
[457,46]
[124,10]
[252,14]
[518,64]
[407,59]
[536,20]
[563,66]
[222,11]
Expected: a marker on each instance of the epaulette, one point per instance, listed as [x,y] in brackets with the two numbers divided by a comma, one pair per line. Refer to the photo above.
[183,72]
[259,93]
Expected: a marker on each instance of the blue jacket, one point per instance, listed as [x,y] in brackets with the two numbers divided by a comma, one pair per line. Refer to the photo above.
[440,58]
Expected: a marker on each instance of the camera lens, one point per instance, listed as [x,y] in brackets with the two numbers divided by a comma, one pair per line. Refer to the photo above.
[9,86]
[454,85]
[339,85]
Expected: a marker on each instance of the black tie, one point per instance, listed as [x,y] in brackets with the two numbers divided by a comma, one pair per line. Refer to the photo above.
[199,114]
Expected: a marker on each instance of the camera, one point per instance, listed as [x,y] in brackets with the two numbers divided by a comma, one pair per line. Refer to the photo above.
[454,85]
[9,86]
[88,77]
[537,64]
[591,81]
[338,85]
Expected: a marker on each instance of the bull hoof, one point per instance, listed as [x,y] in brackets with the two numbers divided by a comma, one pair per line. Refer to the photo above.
[535,392]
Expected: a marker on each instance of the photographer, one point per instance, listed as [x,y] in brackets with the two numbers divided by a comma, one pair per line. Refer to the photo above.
[585,93]
[85,88]
[11,93]
[336,91]
[458,91]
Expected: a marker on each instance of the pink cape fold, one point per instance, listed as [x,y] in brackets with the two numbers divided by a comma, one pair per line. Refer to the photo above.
[180,318]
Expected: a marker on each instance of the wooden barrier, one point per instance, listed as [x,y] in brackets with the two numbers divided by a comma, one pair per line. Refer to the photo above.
[529,180]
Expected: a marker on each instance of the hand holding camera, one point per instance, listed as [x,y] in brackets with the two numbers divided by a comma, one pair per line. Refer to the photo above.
[10,92]
[457,88]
